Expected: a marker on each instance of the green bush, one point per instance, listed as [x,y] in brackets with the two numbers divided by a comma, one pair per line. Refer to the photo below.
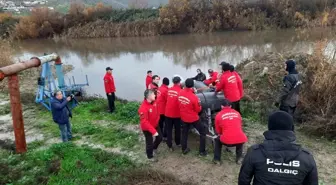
[62,163]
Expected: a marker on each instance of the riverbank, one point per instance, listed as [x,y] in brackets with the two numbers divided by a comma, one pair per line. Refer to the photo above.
[176,17]
[106,145]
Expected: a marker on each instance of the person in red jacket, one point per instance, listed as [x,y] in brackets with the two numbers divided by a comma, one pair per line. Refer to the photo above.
[190,106]
[228,125]
[110,89]
[239,81]
[228,84]
[148,78]
[172,114]
[149,120]
[162,94]
[154,84]
[213,78]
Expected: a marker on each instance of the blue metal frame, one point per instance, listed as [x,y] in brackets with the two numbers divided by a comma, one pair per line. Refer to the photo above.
[47,86]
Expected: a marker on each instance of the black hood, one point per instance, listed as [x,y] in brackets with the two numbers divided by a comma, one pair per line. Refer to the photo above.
[290,67]
[279,146]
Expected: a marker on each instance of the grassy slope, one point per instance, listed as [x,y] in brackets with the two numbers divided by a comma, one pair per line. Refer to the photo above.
[78,163]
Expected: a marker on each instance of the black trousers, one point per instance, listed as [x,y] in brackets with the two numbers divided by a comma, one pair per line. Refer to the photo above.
[218,149]
[150,144]
[162,125]
[288,109]
[169,124]
[236,106]
[111,99]
[200,128]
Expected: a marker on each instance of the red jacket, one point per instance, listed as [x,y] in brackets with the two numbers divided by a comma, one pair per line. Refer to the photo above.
[212,79]
[149,116]
[172,105]
[228,84]
[239,83]
[153,86]
[148,80]
[162,94]
[189,105]
[109,83]
[228,124]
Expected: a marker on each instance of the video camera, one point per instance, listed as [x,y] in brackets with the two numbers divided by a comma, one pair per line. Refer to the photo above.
[72,96]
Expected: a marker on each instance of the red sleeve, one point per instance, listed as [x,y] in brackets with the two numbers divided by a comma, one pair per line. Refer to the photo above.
[240,85]
[214,77]
[148,81]
[164,96]
[107,85]
[220,85]
[144,122]
[113,89]
[217,127]
[197,105]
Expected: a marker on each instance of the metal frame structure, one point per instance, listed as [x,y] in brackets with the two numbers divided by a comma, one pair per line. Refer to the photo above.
[47,85]
[11,72]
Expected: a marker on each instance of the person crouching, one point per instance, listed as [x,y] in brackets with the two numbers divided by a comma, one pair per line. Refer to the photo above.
[228,125]
[190,106]
[149,123]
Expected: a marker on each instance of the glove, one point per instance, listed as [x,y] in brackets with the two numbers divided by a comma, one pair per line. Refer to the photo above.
[277,104]
[156,134]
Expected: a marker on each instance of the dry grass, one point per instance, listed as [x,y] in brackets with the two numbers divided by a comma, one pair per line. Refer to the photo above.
[318,102]
[6,53]
[317,106]
[178,16]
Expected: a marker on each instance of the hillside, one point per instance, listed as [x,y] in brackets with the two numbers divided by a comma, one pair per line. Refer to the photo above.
[113,3]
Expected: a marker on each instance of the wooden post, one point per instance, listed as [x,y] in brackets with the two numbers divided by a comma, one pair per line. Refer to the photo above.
[16,109]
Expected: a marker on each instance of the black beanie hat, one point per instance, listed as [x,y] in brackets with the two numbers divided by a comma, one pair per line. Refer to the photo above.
[189,83]
[290,65]
[176,79]
[280,120]
[226,67]
[165,81]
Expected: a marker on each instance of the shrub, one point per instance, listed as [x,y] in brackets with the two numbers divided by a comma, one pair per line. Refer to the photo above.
[317,105]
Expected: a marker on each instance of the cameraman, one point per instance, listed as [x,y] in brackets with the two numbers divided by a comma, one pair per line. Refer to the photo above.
[61,113]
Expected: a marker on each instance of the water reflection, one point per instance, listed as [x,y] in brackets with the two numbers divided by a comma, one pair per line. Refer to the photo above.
[167,55]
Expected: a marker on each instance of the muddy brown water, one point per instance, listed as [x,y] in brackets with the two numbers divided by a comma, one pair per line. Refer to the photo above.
[165,55]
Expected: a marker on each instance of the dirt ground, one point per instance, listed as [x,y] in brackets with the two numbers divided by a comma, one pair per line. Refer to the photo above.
[187,168]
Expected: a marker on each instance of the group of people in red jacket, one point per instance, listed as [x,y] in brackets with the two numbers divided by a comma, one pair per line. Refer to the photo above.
[165,109]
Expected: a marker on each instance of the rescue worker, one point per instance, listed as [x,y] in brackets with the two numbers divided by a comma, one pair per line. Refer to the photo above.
[190,106]
[212,79]
[228,84]
[162,94]
[148,78]
[289,94]
[228,125]
[149,120]
[154,84]
[200,76]
[110,89]
[172,114]
[239,81]
[278,160]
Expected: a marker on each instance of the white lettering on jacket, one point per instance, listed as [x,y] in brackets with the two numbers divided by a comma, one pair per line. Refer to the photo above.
[183,100]
[232,79]
[278,167]
[172,93]
[229,115]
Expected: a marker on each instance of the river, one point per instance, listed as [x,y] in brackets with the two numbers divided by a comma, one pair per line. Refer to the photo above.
[165,55]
